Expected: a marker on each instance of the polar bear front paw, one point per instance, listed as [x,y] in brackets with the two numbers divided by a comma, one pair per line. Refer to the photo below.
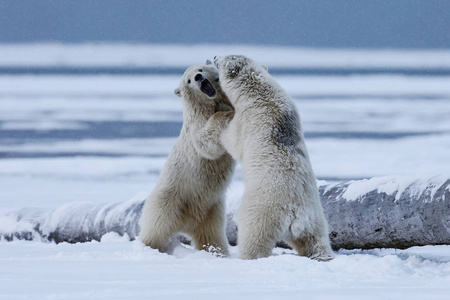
[223,118]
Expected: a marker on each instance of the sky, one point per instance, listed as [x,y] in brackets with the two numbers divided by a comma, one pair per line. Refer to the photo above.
[316,23]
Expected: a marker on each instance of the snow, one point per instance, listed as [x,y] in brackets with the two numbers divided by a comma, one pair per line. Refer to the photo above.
[118,269]
[49,54]
[10,224]
[394,184]
[71,143]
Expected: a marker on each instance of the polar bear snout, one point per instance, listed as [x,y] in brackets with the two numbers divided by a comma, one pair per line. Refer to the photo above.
[198,77]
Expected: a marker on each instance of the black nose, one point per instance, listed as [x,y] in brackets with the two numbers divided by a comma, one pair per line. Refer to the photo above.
[198,77]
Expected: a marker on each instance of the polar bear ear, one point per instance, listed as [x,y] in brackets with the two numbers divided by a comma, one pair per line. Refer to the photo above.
[265,68]
[177,92]
[208,62]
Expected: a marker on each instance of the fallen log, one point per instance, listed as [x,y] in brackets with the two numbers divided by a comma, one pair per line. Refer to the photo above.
[381,212]
[388,212]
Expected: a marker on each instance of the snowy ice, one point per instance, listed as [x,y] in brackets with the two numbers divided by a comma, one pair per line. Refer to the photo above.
[55,154]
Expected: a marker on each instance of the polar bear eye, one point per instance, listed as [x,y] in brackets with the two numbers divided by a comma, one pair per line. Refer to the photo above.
[200,70]
[189,81]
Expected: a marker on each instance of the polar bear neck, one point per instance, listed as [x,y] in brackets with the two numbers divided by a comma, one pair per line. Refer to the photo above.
[249,91]
[198,110]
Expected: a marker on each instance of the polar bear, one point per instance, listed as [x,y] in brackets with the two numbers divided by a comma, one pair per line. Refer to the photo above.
[189,196]
[281,199]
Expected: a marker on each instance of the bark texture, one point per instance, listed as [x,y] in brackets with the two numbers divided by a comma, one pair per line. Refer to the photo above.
[382,212]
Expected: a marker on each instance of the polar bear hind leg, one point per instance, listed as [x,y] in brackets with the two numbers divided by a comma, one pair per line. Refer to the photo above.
[256,240]
[313,246]
[259,228]
[157,229]
[209,233]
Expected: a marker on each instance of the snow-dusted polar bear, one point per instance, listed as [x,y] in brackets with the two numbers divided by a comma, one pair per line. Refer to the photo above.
[281,199]
[189,196]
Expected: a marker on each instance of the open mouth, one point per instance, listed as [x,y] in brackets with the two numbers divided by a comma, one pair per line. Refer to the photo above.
[207,88]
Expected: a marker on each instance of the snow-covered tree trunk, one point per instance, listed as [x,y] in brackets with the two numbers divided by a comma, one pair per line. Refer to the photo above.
[388,212]
[382,212]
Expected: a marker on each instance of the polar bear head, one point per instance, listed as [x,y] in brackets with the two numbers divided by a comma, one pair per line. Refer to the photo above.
[238,73]
[200,81]
[237,65]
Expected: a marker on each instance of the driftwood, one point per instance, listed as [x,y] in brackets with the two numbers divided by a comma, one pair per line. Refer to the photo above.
[388,212]
[383,212]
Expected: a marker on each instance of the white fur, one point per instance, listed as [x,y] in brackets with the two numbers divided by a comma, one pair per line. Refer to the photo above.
[281,199]
[190,193]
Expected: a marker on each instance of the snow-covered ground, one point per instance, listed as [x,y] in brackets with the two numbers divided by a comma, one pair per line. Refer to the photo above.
[104,139]
[118,269]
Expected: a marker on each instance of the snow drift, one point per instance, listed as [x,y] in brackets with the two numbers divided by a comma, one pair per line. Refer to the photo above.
[381,212]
